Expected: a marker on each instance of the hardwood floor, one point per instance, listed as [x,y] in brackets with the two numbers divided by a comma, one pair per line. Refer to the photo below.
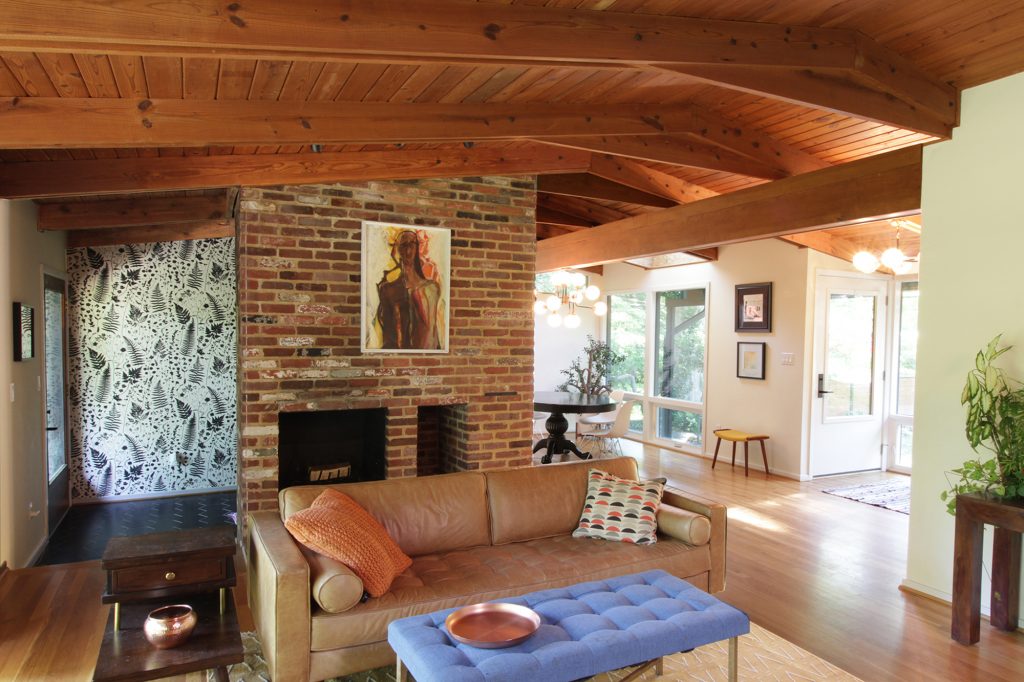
[815,569]
[823,572]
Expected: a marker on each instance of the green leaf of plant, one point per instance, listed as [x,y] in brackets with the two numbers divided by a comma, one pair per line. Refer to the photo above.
[979,361]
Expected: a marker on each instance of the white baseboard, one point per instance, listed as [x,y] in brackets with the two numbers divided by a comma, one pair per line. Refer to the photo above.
[150,496]
[944,597]
[40,548]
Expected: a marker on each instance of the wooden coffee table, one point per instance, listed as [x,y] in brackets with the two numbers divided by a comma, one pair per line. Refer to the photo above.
[126,656]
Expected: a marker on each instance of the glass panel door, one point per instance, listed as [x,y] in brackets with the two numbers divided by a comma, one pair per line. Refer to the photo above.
[901,421]
[850,355]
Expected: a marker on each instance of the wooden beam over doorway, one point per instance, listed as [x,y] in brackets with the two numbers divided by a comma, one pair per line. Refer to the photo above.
[887,185]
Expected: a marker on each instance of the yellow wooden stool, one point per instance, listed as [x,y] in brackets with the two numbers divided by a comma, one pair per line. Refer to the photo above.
[745,438]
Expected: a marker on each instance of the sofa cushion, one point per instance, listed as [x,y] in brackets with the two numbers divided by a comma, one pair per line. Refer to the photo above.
[542,502]
[422,514]
[337,527]
[446,580]
[620,509]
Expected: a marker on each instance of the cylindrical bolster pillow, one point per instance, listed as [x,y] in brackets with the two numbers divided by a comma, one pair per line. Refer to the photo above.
[693,529]
[333,584]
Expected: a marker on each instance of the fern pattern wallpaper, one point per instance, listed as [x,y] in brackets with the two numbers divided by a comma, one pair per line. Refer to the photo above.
[151,368]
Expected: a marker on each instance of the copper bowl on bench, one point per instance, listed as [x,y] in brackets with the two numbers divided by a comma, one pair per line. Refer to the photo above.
[169,626]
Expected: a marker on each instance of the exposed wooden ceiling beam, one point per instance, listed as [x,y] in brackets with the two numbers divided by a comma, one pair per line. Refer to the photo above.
[841,92]
[672,149]
[582,208]
[743,139]
[110,176]
[546,231]
[47,122]
[634,174]
[887,185]
[112,213]
[552,217]
[139,234]
[471,32]
[590,186]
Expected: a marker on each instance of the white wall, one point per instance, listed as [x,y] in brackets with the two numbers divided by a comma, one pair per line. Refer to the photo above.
[776,406]
[970,276]
[22,464]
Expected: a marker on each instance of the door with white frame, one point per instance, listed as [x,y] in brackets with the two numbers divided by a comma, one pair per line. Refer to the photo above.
[848,412]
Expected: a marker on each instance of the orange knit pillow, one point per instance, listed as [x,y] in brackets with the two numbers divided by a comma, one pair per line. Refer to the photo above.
[337,527]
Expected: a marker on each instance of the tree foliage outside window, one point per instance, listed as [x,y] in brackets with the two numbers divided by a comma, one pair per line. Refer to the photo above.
[627,336]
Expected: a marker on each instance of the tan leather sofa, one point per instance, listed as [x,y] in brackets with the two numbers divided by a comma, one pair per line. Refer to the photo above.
[473,536]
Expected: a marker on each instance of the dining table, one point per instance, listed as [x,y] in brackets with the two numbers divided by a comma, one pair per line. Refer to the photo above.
[558,404]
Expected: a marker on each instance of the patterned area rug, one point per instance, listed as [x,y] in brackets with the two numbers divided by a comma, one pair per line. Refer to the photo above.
[892,493]
[763,657]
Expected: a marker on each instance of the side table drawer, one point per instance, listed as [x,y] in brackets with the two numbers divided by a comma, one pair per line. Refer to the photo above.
[139,578]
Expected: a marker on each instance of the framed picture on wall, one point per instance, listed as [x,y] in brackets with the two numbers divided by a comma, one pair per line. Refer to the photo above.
[754,307]
[24,332]
[406,297]
[750,359]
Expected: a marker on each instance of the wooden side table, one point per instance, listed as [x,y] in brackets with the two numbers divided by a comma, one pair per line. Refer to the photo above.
[126,655]
[972,513]
[167,565]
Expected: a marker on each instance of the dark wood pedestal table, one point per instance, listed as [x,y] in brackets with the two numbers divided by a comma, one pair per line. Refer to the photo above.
[972,513]
[558,404]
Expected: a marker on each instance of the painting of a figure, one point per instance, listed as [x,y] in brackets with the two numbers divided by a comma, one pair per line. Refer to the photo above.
[405,299]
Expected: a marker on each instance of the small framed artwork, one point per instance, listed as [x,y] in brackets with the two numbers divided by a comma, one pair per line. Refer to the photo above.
[750,359]
[24,338]
[406,279]
[754,307]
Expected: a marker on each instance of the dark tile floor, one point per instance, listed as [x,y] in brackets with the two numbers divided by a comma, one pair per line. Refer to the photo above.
[83,534]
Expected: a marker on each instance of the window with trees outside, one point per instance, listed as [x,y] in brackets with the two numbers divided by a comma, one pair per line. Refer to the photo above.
[664,369]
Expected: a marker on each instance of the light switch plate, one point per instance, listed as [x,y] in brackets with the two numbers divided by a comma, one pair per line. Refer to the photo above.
[787,358]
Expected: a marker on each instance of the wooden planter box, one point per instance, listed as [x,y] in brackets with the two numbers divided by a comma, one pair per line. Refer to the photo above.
[1007,516]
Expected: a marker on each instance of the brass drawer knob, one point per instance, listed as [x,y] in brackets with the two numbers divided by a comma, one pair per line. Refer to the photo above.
[170,575]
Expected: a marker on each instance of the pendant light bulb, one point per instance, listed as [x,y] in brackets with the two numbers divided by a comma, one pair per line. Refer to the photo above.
[865,262]
[893,258]
[592,293]
[539,307]
[554,320]
[553,303]
[600,308]
[572,321]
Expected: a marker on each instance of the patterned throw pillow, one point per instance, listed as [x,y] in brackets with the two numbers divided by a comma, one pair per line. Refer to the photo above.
[337,527]
[620,509]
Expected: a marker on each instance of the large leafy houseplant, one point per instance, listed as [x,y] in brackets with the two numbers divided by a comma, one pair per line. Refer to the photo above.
[995,422]
[591,379]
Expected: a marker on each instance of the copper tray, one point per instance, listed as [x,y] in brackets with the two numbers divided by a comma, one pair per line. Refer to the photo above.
[493,625]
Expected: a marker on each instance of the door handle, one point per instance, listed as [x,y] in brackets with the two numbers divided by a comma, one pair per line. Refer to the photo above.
[821,386]
[53,428]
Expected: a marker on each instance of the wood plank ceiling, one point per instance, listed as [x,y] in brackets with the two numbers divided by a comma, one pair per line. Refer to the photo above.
[623,107]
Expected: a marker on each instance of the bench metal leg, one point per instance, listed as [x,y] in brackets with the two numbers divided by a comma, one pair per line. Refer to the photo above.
[401,674]
[734,645]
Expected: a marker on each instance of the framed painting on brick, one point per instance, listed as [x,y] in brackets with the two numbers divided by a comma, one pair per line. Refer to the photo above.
[406,278]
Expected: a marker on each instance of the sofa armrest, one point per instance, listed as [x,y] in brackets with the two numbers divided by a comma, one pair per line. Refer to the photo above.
[690,527]
[716,513]
[278,577]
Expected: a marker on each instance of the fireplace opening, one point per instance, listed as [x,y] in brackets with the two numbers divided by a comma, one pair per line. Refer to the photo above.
[440,438]
[336,446]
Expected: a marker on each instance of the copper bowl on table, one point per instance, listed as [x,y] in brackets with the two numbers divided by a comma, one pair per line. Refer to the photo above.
[169,626]
[492,625]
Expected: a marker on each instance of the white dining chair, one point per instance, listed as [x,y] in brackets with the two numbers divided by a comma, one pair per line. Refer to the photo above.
[592,423]
[607,441]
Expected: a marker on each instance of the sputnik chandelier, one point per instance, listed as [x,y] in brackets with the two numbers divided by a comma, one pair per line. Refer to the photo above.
[570,290]
[892,258]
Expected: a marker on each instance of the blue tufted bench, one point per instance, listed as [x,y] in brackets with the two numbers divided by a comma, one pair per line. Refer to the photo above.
[586,629]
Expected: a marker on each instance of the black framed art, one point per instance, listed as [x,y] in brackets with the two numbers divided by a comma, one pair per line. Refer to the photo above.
[24,332]
[750,359]
[754,307]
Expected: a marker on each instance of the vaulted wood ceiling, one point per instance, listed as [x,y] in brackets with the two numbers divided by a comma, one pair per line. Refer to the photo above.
[624,107]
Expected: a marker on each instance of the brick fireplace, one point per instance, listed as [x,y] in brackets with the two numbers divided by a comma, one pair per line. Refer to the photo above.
[299,296]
